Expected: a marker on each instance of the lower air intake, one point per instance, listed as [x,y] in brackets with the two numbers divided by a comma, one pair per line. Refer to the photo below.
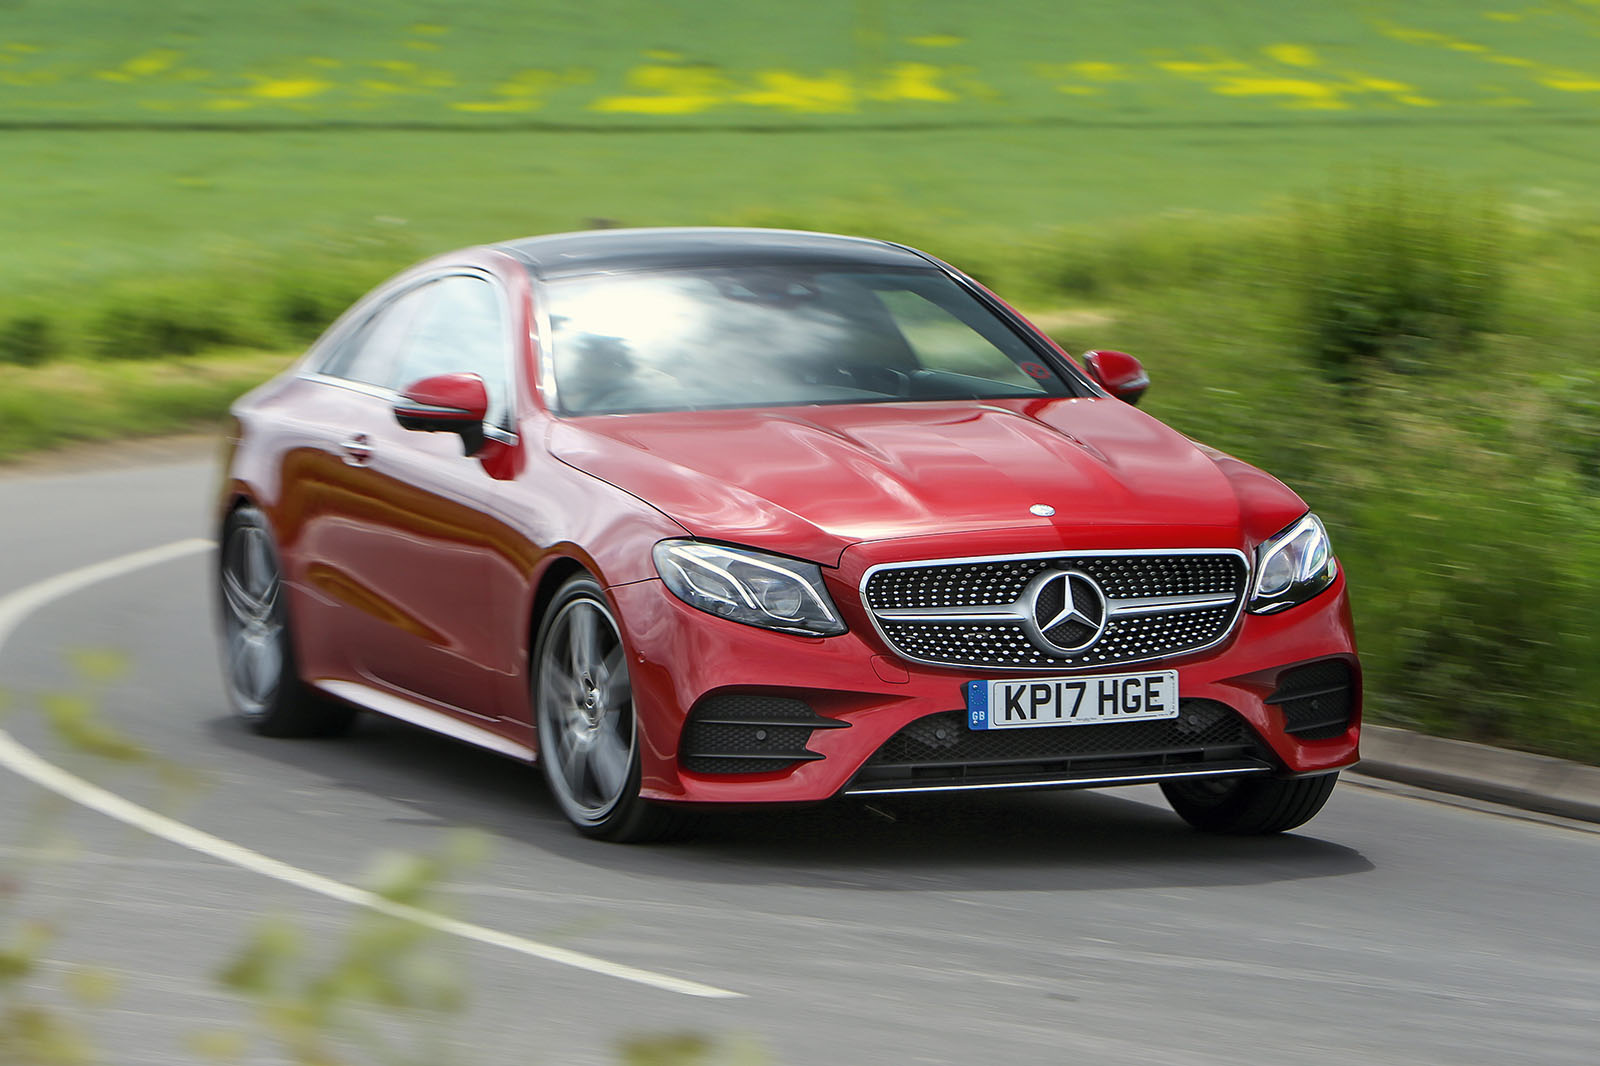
[939,751]
[1316,700]
[744,734]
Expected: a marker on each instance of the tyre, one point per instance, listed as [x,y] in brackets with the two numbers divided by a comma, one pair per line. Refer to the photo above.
[1248,806]
[587,731]
[258,668]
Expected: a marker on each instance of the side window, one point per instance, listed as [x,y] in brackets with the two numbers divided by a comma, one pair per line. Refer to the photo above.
[944,343]
[368,354]
[459,328]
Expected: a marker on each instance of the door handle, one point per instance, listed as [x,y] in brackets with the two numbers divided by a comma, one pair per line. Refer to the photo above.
[357,449]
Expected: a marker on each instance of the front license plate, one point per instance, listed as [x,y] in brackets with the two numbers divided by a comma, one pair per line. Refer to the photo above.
[1072,701]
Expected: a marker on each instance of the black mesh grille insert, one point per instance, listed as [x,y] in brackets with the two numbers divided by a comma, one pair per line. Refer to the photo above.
[1004,644]
[940,746]
[1316,699]
[1002,580]
[749,734]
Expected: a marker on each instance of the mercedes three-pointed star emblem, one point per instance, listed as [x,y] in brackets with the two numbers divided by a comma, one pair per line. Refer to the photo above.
[1067,611]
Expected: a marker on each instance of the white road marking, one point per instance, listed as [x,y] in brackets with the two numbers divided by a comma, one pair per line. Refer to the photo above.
[17,605]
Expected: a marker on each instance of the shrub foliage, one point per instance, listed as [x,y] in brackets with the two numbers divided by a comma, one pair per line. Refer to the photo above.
[1400,274]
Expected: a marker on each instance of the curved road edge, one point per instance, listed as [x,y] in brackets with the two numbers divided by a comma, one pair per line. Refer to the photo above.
[1540,783]
[18,604]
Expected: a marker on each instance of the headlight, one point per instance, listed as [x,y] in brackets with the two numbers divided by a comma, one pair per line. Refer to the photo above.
[1293,566]
[748,586]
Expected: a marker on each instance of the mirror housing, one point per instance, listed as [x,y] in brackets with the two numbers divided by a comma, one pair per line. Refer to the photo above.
[447,403]
[1118,373]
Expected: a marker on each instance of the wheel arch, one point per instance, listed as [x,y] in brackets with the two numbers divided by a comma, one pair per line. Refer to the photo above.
[233,499]
[556,573]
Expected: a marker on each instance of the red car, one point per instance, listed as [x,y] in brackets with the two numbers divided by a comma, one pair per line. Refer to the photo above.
[719,516]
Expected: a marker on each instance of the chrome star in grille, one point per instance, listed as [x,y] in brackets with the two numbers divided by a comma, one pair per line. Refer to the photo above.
[1079,620]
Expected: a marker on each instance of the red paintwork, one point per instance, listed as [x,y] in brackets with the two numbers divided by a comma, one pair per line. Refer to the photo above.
[419,570]
[446,398]
[812,481]
[1118,373]
[677,659]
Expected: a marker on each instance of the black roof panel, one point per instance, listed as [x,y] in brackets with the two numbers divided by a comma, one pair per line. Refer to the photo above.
[599,251]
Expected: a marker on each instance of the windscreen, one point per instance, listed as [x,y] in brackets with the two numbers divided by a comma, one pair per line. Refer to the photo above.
[772,336]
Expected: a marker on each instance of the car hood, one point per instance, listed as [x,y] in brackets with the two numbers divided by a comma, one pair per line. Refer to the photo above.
[811,481]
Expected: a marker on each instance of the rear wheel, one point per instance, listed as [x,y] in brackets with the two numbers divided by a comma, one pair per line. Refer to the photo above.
[258,669]
[1247,806]
[588,733]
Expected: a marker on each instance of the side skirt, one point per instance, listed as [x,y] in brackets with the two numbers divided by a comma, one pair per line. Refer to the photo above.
[387,703]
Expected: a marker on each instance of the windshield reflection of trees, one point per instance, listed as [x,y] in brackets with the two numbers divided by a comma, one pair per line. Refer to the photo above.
[689,339]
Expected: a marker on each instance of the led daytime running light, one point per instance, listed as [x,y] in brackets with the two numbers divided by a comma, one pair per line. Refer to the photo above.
[751,587]
[1293,566]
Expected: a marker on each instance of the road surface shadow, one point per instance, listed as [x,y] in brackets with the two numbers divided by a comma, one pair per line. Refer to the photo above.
[1069,840]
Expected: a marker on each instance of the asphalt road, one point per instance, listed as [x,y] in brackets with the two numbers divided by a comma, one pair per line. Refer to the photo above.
[1063,927]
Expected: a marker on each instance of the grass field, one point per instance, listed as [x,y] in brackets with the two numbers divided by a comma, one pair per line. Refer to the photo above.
[84,401]
[721,62]
[179,175]
[168,134]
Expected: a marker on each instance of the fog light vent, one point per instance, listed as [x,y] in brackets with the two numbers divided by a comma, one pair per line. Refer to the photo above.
[1316,699]
[749,734]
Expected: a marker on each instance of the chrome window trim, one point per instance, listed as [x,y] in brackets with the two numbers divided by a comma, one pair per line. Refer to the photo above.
[390,397]
[321,350]
[315,367]
[364,387]
[1006,612]
[380,302]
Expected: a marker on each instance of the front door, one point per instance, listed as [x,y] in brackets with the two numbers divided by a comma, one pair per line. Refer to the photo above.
[413,547]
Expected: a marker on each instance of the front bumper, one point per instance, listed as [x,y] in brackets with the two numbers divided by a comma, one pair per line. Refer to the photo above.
[681,657]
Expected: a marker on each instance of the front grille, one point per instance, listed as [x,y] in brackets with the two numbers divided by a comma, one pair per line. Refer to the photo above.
[1000,644]
[939,749]
[1316,700]
[734,733]
[1145,593]
[996,581]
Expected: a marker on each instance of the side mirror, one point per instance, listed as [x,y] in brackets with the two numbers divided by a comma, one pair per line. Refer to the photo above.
[446,403]
[1118,373]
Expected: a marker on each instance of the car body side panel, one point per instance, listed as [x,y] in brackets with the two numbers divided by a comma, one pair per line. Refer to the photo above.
[348,587]
[416,571]
[415,545]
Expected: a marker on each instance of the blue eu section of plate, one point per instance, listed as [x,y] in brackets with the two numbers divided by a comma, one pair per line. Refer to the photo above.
[977,705]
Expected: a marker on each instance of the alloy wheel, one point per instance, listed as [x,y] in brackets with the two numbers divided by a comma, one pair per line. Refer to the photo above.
[585,706]
[253,625]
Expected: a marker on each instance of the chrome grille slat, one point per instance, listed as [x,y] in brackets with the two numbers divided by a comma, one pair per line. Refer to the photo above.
[969,612]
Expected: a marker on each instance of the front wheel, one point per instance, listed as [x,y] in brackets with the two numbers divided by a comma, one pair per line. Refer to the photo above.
[1249,806]
[587,729]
